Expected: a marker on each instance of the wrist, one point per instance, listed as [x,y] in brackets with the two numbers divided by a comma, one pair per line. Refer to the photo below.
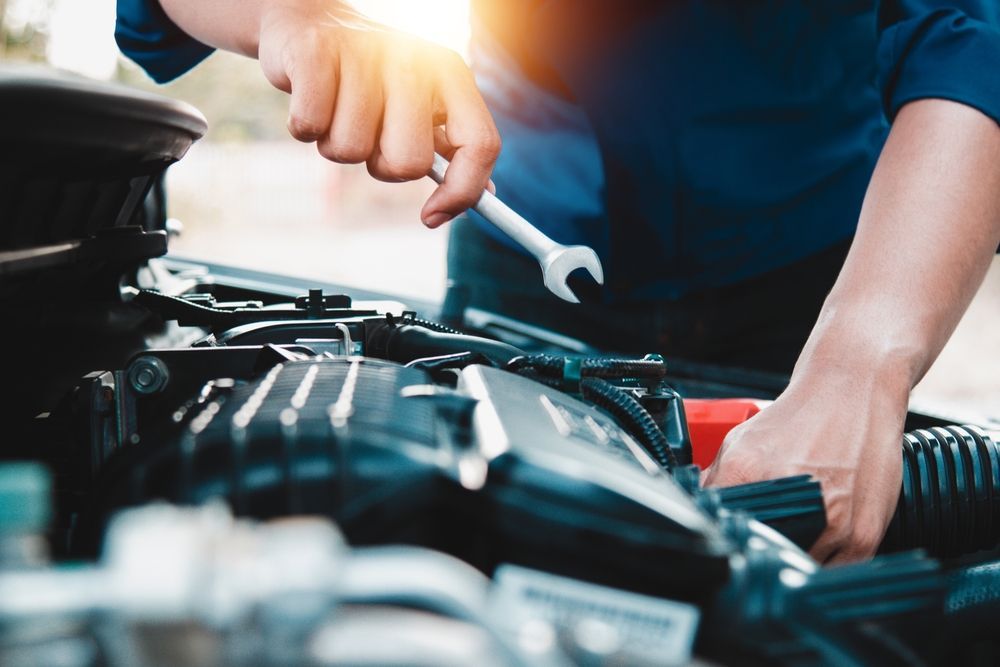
[863,348]
[282,16]
[295,18]
[232,25]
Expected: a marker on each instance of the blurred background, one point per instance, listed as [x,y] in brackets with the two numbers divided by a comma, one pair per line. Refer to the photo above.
[249,195]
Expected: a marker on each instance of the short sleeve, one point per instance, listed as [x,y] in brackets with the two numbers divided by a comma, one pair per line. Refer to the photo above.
[940,49]
[146,35]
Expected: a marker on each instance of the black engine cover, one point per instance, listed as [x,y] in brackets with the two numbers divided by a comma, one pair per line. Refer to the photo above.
[503,469]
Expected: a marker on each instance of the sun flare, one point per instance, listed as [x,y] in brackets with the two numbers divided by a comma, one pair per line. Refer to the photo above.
[444,22]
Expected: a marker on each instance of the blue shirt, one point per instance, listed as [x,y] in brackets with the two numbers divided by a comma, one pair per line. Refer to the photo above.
[692,143]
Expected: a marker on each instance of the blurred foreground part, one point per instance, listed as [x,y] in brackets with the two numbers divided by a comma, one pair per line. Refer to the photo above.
[191,587]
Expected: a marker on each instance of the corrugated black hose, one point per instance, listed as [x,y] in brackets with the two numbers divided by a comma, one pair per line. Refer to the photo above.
[630,413]
[950,497]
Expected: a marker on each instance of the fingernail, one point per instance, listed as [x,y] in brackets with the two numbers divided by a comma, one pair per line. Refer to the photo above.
[437,219]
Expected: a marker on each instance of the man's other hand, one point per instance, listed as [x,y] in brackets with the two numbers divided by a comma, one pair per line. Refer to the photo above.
[843,427]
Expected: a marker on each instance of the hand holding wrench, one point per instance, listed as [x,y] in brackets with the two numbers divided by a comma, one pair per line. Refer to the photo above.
[557,261]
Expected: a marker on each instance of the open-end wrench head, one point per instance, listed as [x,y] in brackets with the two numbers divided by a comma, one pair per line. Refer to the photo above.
[563,261]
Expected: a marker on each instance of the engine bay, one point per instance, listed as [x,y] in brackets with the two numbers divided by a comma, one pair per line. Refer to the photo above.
[210,465]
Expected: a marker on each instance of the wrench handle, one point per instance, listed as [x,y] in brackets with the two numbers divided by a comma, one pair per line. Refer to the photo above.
[503,217]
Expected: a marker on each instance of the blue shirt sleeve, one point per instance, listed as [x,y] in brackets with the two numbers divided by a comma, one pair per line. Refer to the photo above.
[146,34]
[942,49]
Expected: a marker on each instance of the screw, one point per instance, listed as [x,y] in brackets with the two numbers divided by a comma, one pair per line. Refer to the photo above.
[148,375]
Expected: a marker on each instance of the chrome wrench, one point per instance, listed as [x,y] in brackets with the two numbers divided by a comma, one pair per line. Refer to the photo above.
[557,260]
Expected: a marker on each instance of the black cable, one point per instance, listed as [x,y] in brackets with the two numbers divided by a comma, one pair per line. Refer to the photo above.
[555,366]
[630,414]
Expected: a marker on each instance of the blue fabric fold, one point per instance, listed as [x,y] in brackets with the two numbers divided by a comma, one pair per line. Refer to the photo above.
[940,50]
[147,36]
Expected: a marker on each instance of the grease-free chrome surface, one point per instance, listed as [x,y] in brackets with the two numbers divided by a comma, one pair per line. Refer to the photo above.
[557,260]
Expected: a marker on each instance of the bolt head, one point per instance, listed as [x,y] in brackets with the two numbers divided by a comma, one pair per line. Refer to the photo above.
[148,375]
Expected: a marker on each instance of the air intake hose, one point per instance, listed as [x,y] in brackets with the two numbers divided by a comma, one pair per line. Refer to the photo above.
[950,500]
[949,503]
[405,340]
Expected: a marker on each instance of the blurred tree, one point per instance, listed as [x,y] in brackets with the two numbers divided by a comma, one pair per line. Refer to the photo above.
[23,29]
[230,90]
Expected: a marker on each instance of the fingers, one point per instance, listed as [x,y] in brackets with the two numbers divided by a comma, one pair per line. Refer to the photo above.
[406,145]
[380,98]
[825,547]
[312,79]
[441,143]
[445,149]
[855,523]
[471,134]
[353,135]
[858,546]
[849,540]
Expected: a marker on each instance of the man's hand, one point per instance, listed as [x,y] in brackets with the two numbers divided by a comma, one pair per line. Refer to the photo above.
[362,92]
[845,428]
[929,227]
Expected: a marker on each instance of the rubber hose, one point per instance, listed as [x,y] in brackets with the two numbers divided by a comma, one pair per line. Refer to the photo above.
[433,326]
[950,498]
[630,413]
[406,340]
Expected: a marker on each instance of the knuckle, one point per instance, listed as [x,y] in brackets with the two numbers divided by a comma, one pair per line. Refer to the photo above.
[740,477]
[407,168]
[313,40]
[376,172]
[491,144]
[493,140]
[452,70]
[405,58]
[453,60]
[732,474]
[305,129]
[484,149]
[865,540]
[344,152]
[734,434]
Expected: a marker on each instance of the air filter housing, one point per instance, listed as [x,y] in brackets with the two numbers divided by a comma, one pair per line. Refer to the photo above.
[78,157]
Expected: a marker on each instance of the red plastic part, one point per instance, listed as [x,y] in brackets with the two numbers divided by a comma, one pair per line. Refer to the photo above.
[711,419]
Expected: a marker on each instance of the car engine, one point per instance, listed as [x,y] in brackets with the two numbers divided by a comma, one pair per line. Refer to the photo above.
[210,465]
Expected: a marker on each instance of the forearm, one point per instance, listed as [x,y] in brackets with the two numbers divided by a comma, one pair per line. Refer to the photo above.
[928,229]
[929,224]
